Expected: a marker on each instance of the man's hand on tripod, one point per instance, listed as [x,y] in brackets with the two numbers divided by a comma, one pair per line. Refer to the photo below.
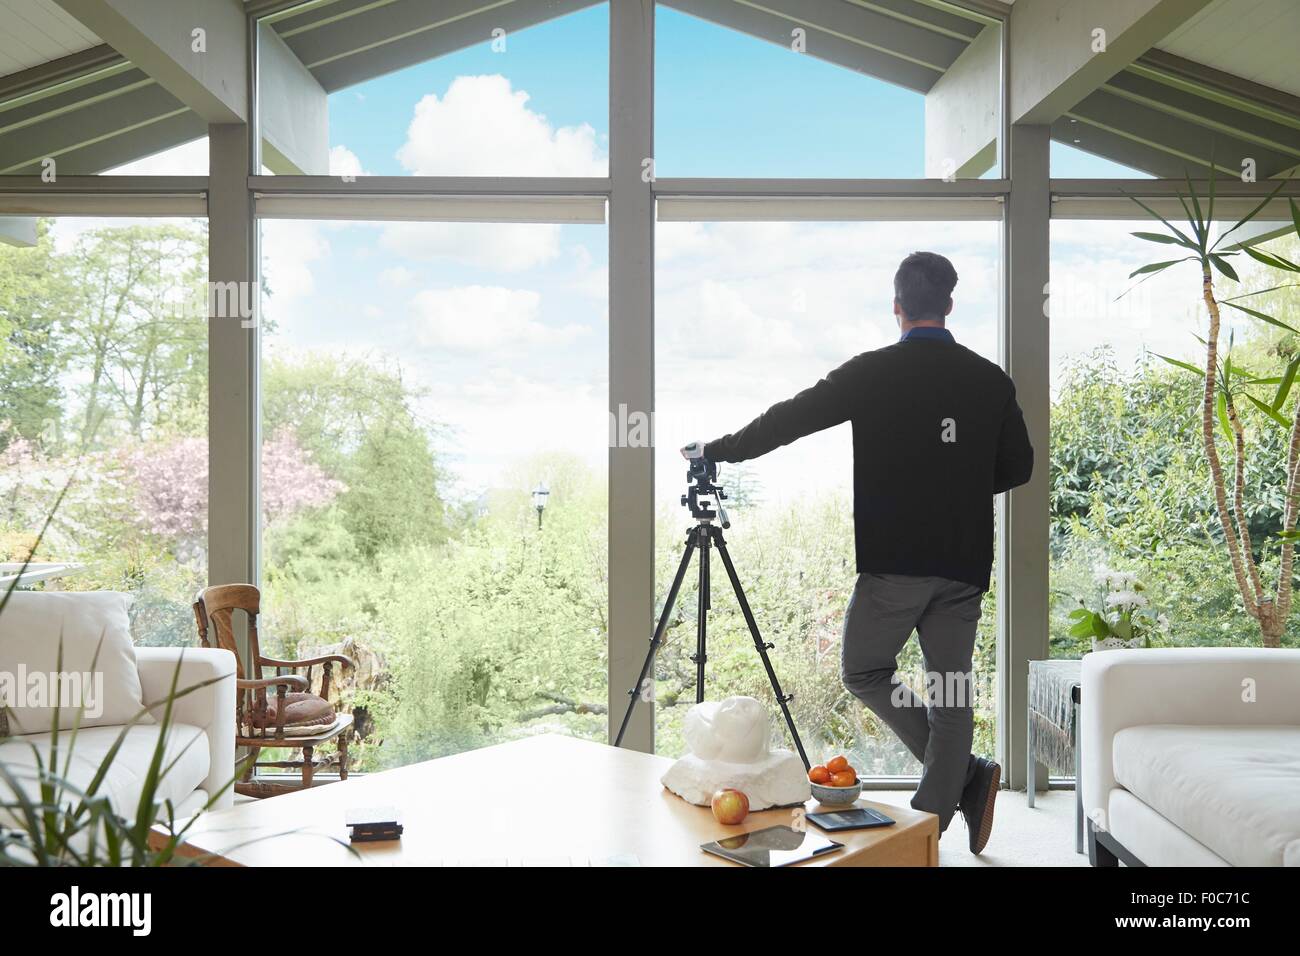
[693,450]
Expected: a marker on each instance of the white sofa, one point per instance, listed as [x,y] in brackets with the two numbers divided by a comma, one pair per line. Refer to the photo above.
[1191,756]
[205,766]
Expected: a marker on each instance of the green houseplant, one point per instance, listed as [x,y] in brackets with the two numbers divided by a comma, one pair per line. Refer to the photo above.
[1228,390]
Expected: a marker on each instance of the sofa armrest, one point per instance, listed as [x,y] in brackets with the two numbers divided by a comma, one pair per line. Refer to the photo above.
[211,707]
[1185,685]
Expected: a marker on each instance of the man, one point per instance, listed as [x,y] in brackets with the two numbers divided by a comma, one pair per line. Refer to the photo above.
[936,434]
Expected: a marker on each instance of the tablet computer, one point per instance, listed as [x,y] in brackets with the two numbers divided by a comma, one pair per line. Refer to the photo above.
[773,846]
[855,818]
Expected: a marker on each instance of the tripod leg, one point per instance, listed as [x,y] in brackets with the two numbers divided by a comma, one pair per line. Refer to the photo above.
[701,655]
[760,645]
[657,639]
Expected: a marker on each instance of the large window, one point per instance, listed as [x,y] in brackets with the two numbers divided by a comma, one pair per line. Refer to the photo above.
[748,314]
[490,94]
[1131,490]
[768,94]
[419,382]
[103,401]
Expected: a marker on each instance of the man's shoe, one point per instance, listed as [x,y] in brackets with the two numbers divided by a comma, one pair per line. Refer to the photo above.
[977,801]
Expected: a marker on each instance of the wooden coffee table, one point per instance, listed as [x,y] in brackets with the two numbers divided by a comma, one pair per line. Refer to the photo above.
[546,800]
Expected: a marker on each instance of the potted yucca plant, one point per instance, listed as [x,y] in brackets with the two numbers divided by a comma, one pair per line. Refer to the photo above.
[1229,390]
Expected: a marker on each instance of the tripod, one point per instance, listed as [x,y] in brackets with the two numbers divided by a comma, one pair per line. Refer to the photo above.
[704,537]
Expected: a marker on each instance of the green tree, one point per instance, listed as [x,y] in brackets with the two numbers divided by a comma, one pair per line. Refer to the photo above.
[359,423]
[32,302]
[132,325]
[501,630]
[1130,490]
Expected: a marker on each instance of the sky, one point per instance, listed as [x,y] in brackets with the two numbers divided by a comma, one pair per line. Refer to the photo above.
[504,327]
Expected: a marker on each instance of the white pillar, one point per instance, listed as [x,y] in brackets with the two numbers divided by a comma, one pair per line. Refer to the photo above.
[631,357]
[1023,529]
[233,426]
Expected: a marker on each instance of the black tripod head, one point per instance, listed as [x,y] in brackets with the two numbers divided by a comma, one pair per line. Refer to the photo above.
[702,474]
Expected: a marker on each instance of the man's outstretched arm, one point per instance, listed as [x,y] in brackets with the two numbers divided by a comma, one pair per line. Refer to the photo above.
[828,403]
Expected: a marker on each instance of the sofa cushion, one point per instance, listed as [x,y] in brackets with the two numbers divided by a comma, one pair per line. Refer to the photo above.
[1151,838]
[98,669]
[1232,788]
[186,745]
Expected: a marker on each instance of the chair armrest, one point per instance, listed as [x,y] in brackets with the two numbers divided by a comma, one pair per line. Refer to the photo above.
[1185,685]
[288,680]
[332,658]
[211,707]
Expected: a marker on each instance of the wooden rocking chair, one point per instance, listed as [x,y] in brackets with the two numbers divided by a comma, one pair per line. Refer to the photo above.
[292,718]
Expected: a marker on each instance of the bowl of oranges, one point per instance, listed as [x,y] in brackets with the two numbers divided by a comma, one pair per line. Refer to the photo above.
[835,783]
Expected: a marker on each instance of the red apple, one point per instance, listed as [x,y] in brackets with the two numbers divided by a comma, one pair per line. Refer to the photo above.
[729,806]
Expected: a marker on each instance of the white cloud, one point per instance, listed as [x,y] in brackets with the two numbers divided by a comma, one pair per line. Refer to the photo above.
[344,162]
[479,318]
[1093,302]
[483,127]
[593,282]
[501,247]
[291,247]
[674,239]
[501,416]
[805,296]
[589,279]
[397,276]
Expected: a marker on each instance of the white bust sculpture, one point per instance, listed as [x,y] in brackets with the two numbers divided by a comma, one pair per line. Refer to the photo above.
[729,747]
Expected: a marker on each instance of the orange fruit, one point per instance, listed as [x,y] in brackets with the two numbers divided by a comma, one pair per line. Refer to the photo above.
[819,774]
[845,778]
[837,764]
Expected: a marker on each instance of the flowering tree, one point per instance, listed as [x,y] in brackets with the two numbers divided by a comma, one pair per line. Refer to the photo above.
[30,482]
[171,483]
[291,481]
[172,487]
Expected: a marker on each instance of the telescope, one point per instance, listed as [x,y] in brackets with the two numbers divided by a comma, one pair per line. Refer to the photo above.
[704,494]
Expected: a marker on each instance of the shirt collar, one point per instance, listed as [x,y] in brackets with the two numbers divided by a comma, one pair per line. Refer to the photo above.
[928,332]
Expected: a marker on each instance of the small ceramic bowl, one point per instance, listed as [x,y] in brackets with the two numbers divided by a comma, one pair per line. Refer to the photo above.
[836,796]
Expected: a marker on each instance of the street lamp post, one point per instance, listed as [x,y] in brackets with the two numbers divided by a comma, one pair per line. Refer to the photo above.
[540,494]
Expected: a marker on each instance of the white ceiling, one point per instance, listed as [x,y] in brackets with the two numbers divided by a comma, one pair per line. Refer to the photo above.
[37,31]
[1254,39]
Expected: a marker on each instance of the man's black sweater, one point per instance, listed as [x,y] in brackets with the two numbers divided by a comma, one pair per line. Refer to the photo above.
[937,433]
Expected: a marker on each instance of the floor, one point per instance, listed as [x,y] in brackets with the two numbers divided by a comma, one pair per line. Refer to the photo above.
[1043,836]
